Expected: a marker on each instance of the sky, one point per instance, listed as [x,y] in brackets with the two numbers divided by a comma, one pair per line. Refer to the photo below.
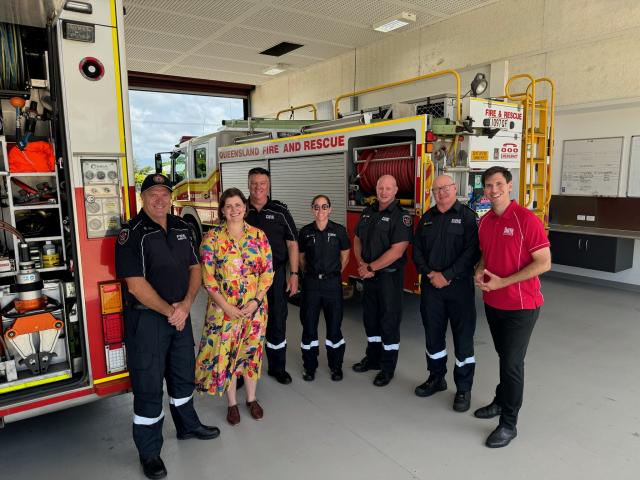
[159,119]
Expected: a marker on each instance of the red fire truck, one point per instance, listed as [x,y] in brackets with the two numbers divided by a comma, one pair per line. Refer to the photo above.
[67,185]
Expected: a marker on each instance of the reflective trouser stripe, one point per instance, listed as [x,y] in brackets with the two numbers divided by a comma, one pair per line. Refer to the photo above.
[394,346]
[138,420]
[277,347]
[329,343]
[466,361]
[177,402]
[314,343]
[374,339]
[438,355]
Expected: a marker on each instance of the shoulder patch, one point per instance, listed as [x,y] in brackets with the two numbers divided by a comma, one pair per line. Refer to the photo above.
[123,236]
[407,220]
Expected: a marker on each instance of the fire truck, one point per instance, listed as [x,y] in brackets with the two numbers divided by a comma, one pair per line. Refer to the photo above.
[414,141]
[66,183]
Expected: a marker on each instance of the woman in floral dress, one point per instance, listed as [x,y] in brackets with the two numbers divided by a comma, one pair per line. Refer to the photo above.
[237,271]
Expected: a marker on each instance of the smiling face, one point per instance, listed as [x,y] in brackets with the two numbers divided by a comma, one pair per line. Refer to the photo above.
[156,202]
[386,190]
[233,210]
[321,209]
[259,187]
[444,192]
[497,189]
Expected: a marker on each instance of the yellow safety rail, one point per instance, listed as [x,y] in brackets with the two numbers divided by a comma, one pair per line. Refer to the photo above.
[537,144]
[299,107]
[424,167]
[384,86]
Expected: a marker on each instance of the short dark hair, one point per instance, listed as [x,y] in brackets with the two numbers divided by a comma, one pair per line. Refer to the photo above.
[493,170]
[259,171]
[321,196]
[230,193]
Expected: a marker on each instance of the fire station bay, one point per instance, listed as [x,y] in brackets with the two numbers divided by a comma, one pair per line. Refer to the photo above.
[319,239]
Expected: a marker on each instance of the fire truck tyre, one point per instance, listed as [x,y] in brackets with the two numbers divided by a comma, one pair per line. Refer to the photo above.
[195,230]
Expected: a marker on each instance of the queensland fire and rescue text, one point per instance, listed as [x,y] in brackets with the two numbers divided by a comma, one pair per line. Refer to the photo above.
[324,143]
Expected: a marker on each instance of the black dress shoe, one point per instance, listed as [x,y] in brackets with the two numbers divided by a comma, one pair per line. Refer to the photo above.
[365,365]
[382,379]
[153,467]
[308,376]
[336,375]
[501,437]
[203,432]
[433,385]
[462,401]
[282,377]
[488,411]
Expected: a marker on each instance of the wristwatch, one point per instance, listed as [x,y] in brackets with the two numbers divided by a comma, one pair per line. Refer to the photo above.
[370,269]
[293,273]
[257,300]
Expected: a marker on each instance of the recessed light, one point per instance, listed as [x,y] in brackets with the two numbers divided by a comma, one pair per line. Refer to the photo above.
[395,22]
[275,69]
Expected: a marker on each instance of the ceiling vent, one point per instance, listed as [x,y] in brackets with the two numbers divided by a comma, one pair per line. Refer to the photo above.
[281,48]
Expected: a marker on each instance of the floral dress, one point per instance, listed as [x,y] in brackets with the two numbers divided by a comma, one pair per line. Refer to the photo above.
[238,270]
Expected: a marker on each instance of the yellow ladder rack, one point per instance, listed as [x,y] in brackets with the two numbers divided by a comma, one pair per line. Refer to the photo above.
[537,144]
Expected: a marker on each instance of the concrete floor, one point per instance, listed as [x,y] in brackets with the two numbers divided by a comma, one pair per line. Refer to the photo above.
[580,418]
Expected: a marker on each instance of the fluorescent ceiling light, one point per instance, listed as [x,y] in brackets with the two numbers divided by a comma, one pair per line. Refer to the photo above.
[275,70]
[394,23]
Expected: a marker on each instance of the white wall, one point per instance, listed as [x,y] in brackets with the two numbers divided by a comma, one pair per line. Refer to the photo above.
[589,47]
[611,119]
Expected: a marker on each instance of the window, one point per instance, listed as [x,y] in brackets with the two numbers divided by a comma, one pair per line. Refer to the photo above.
[179,167]
[200,162]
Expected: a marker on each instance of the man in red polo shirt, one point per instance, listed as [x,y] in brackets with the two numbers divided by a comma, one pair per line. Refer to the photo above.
[515,250]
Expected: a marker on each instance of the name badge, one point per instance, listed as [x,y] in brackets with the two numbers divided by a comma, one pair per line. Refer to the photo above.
[456,220]
[181,236]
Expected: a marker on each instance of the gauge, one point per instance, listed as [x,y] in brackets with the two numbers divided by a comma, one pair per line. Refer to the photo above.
[112,175]
[89,175]
[93,207]
[95,224]
[101,175]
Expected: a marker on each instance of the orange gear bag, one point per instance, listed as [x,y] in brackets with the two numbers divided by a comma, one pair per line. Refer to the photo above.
[36,157]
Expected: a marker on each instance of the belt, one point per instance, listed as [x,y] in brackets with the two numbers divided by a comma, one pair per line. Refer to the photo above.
[139,306]
[388,270]
[322,276]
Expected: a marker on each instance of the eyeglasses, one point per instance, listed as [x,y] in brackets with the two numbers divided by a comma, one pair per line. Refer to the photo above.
[324,206]
[442,189]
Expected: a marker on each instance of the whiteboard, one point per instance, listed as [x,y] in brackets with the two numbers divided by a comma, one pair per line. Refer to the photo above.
[591,167]
[633,184]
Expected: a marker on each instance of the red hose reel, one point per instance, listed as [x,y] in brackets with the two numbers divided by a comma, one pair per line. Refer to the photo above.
[400,164]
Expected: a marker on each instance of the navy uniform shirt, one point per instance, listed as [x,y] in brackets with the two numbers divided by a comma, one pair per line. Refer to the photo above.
[322,248]
[378,230]
[144,249]
[447,242]
[276,222]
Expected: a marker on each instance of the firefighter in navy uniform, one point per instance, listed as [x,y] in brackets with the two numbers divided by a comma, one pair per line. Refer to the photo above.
[324,254]
[445,251]
[274,219]
[156,257]
[381,239]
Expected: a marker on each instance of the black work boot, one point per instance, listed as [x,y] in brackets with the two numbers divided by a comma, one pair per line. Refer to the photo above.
[462,401]
[433,385]
[153,467]
[365,365]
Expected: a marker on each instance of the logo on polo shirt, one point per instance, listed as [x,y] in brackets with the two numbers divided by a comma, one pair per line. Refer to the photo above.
[181,236]
[331,234]
[270,217]
[385,219]
[508,231]
[456,220]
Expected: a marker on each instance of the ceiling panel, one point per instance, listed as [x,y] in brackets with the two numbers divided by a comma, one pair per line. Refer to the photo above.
[217,39]
[334,31]
[146,38]
[173,24]
[247,54]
